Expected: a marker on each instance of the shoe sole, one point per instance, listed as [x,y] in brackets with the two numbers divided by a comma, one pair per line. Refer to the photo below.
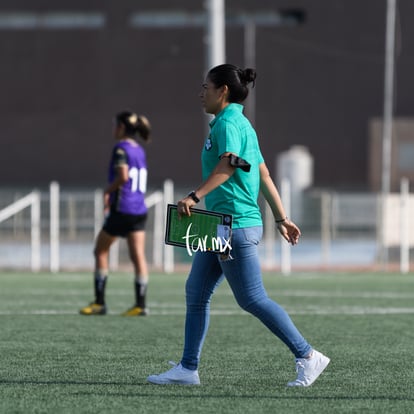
[136,314]
[170,382]
[92,313]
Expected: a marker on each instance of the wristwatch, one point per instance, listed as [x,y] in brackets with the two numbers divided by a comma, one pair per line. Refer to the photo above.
[194,197]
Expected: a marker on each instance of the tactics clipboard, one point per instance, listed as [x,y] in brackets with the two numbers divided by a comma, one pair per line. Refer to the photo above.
[204,230]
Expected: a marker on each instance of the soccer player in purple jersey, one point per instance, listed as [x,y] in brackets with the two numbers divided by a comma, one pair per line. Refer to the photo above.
[126,212]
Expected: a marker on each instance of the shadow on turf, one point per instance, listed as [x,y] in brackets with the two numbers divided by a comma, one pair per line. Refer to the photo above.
[169,387]
[253,396]
[38,382]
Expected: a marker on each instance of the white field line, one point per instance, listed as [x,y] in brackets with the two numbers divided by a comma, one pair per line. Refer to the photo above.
[180,311]
[341,294]
[161,308]
[272,293]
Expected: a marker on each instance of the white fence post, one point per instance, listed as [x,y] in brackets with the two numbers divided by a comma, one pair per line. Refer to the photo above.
[54,206]
[156,200]
[168,250]
[35,232]
[404,226]
[158,232]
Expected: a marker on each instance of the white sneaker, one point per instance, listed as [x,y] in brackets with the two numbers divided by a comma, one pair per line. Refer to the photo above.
[309,369]
[176,375]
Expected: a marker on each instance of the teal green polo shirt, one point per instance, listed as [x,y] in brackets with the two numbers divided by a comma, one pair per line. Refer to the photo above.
[231,131]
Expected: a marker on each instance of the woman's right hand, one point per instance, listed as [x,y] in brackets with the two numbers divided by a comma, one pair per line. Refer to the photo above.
[184,205]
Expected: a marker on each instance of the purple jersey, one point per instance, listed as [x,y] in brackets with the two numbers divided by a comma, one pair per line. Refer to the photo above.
[129,199]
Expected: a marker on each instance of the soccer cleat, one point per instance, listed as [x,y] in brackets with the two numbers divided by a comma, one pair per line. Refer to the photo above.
[136,311]
[176,375]
[309,369]
[93,309]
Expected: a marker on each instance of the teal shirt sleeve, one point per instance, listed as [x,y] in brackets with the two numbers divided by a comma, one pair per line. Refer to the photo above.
[229,139]
[260,158]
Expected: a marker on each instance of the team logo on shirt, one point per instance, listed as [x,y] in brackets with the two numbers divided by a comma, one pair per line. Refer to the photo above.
[208,144]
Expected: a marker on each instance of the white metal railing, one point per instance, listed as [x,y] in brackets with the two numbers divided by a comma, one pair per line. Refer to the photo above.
[156,200]
[32,200]
[338,229]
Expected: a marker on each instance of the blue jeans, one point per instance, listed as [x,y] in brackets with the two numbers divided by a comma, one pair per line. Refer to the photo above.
[243,274]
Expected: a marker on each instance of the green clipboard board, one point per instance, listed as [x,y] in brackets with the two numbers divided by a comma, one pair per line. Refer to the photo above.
[203,231]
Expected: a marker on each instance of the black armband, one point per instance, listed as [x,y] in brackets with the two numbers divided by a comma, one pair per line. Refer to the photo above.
[238,162]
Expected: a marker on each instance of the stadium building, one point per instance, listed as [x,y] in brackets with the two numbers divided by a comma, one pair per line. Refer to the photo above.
[66,68]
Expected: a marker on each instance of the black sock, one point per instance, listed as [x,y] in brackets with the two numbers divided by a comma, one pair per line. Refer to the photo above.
[140,293]
[100,284]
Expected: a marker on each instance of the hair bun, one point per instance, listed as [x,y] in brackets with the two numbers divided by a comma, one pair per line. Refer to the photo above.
[248,75]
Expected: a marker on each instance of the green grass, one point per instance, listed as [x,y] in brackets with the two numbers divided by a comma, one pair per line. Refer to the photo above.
[56,361]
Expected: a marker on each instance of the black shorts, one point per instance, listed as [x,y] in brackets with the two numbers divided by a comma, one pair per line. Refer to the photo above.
[120,224]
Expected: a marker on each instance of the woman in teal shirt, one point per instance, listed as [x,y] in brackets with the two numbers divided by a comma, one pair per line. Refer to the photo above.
[234,173]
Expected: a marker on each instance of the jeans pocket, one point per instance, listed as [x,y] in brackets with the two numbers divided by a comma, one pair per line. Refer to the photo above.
[253,234]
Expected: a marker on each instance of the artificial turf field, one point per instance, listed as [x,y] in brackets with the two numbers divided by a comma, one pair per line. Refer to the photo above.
[56,361]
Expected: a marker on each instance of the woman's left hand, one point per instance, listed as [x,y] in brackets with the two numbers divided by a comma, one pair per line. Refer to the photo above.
[289,231]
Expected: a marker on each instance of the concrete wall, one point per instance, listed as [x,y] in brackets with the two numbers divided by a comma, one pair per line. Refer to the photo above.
[318,85]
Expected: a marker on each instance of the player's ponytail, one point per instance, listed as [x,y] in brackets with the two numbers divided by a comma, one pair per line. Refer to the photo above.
[143,127]
[134,124]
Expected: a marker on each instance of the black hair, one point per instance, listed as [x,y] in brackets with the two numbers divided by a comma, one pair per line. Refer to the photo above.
[134,124]
[235,78]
